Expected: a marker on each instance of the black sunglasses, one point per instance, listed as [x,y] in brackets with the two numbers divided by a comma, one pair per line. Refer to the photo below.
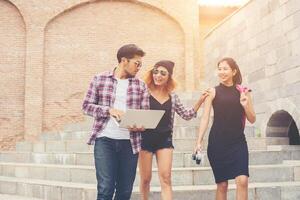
[137,63]
[163,73]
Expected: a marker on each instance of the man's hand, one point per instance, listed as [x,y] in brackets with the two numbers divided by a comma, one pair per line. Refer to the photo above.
[116,113]
[134,128]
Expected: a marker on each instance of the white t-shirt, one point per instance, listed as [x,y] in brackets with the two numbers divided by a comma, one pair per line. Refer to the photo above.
[112,130]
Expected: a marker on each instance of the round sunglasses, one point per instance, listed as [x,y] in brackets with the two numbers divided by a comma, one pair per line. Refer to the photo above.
[156,71]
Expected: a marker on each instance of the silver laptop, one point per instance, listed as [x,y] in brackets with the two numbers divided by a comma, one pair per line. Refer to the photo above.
[149,119]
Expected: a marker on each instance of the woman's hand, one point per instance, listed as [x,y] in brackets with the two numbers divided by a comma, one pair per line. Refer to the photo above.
[198,146]
[203,96]
[201,100]
[244,100]
[247,104]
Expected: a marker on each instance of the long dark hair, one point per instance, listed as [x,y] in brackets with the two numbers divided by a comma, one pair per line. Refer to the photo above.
[237,78]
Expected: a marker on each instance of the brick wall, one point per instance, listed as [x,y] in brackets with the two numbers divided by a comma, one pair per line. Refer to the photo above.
[52,49]
[12,60]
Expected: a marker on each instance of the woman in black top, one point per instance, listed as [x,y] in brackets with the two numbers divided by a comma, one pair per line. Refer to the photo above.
[159,141]
[227,147]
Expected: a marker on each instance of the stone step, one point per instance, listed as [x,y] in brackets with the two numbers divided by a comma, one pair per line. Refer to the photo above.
[180,159]
[178,122]
[87,124]
[187,144]
[44,189]
[254,143]
[192,175]
[278,131]
[15,197]
[257,191]
[283,147]
[180,132]
[57,190]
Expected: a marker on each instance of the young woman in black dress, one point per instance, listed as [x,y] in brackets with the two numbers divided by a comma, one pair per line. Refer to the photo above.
[227,147]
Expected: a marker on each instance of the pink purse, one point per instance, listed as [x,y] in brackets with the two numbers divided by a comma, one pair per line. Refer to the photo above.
[243,89]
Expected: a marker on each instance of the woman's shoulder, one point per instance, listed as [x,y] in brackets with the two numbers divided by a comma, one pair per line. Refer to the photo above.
[174,96]
[212,90]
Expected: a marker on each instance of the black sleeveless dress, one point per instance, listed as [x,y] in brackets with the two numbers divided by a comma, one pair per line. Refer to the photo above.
[227,147]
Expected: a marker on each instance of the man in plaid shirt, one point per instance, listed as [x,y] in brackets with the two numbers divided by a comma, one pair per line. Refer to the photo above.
[116,149]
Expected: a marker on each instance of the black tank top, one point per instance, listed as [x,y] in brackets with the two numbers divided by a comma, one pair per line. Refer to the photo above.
[164,125]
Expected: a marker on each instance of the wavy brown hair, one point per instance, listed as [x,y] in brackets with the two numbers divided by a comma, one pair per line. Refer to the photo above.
[148,78]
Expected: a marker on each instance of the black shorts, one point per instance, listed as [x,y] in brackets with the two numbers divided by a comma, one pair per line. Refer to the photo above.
[155,141]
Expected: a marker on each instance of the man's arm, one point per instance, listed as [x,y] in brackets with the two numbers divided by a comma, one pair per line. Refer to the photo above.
[90,104]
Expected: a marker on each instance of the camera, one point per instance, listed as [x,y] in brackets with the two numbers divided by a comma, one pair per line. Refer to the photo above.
[197,157]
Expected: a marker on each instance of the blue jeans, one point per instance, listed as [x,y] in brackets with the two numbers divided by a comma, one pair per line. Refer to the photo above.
[115,168]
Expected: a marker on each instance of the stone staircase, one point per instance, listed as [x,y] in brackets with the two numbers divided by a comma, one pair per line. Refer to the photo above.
[60,167]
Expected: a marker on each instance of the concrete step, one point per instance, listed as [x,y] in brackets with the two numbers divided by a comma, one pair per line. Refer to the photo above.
[86,126]
[180,159]
[291,162]
[192,175]
[186,144]
[257,191]
[283,147]
[49,190]
[57,190]
[254,143]
[15,197]
[277,131]
[180,132]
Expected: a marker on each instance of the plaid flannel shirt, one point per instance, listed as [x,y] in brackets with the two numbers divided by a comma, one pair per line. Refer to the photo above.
[101,97]
[177,106]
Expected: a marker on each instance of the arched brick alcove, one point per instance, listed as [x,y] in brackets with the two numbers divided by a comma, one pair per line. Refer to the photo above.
[282,124]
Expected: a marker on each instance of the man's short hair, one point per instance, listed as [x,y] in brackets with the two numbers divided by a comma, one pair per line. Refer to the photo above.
[129,51]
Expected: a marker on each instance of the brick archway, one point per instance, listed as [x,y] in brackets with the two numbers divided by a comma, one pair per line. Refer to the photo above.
[81,42]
